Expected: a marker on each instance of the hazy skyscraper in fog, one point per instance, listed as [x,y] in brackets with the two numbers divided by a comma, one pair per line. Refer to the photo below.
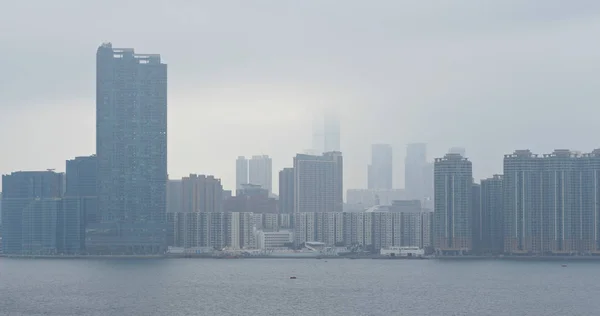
[241,172]
[380,169]
[415,171]
[326,134]
[260,172]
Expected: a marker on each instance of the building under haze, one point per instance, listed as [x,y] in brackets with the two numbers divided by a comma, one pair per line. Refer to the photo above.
[381,167]
[131,148]
[326,134]
[491,216]
[260,172]
[318,183]
[550,202]
[38,218]
[453,180]
[81,183]
[286,190]
[415,172]
[241,172]
[201,193]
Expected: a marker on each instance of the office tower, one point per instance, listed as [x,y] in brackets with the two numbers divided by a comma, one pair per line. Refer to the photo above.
[318,183]
[286,190]
[476,218]
[131,147]
[491,216]
[458,150]
[174,196]
[453,180]
[241,172]
[31,203]
[326,134]
[380,169]
[81,183]
[201,193]
[414,168]
[260,172]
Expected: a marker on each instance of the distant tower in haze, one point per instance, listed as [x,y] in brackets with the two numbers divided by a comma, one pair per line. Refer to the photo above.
[326,134]
[260,172]
[241,172]
[415,171]
[380,169]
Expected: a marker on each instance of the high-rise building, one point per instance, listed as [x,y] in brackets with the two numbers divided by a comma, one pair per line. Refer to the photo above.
[286,190]
[415,165]
[241,172]
[260,172]
[453,180]
[201,193]
[491,216]
[326,134]
[476,218]
[318,183]
[550,202]
[81,183]
[522,188]
[174,196]
[131,148]
[380,169]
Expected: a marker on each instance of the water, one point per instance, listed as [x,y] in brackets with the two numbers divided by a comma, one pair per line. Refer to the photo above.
[263,287]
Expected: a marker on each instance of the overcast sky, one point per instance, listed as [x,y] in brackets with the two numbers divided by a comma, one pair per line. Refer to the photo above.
[246,77]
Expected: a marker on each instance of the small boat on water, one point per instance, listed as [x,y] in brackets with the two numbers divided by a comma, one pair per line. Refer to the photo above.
[563,265]
[293,277]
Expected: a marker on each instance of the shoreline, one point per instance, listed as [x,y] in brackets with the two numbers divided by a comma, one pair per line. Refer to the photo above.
[441,258]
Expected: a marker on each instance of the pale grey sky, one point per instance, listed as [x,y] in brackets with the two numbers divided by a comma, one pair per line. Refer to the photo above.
[245,77]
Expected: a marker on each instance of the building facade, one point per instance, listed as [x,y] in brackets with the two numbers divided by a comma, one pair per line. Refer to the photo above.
[318,183]
[453,180]
[491,216]
[131,147]
[286,190]
[201,193]
[241,172]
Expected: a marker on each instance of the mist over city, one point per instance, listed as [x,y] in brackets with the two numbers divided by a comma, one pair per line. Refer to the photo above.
[248,78]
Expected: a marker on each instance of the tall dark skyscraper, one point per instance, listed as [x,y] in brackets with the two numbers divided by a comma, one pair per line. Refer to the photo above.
[380,169]
[492,216]
[131,141]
